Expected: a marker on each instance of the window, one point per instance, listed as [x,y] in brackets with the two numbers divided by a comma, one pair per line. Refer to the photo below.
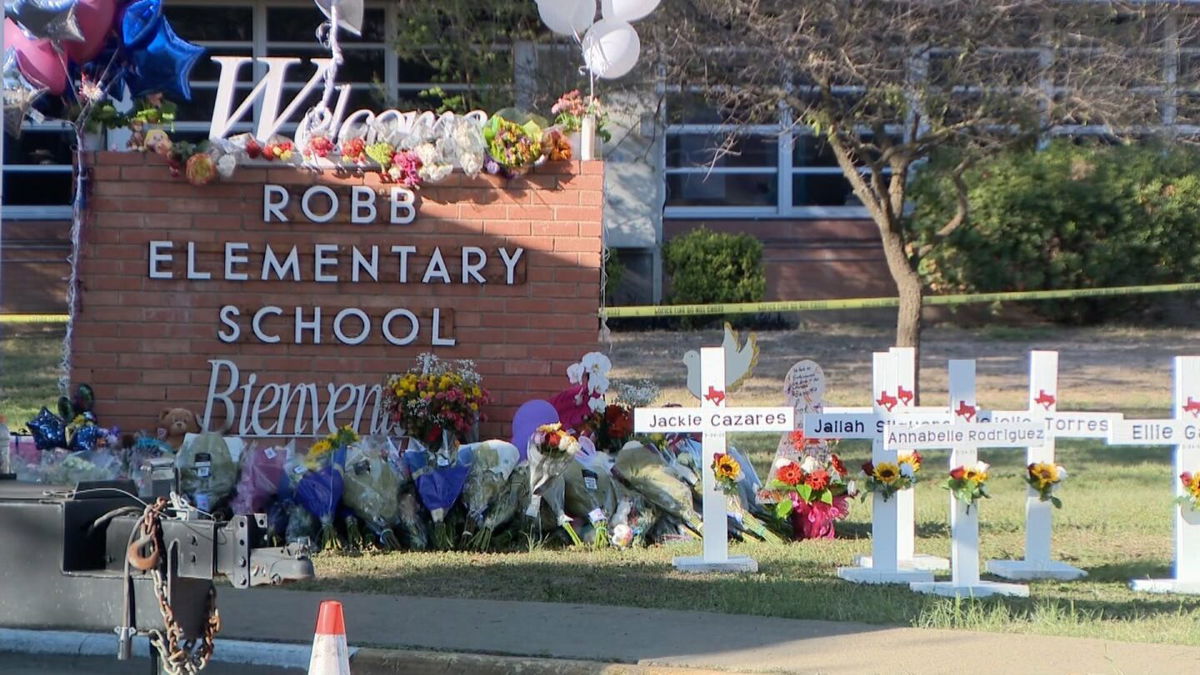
[764,169]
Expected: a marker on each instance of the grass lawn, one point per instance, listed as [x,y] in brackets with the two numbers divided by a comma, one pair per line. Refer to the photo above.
[1116,522]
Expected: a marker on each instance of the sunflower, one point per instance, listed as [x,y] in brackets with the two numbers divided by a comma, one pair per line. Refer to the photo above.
[975,475]
[1044,474]
[725,466]
[887,472]
[913,459]
[1193,485]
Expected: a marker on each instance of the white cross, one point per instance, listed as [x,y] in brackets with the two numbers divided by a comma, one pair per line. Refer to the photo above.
[714,420]
[893,377]
[1043,405]
[1182,431]
[964,437]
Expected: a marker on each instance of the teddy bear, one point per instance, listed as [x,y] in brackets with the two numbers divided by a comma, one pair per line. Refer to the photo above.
[175,423]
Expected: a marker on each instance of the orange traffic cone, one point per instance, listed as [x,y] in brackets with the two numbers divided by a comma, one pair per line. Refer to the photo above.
[330,653]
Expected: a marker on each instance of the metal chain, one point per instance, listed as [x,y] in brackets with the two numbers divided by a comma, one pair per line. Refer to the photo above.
[178,656]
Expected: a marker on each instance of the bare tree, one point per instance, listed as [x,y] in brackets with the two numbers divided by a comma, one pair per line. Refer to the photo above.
[887,83]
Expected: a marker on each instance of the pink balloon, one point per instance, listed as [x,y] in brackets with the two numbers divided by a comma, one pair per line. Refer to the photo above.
[36,59]
[95,19]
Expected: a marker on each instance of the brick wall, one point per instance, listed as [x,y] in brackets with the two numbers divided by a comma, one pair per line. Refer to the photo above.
[145,343]
[33,267]
[810,259]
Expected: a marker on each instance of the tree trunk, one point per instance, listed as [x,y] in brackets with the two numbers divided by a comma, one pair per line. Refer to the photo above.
[908,286]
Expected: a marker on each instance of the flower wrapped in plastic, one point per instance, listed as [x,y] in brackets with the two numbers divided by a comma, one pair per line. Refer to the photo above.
[812,494]
[320,491]
[207,473]
[551,450]
[644,471]
[372,489]
[494,463]
[60,467]
[440,478]
[465,143]
[262,477]
[144,449]
[590,497]
[508,507]
[514,147]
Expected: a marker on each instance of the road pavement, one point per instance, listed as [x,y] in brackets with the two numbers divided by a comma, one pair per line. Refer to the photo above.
[41,664]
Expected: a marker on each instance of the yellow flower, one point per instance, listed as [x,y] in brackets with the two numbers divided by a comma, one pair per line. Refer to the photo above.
[1045,473]
[887,472]
[725,466]
[319,448]
[977,476]
[910,459]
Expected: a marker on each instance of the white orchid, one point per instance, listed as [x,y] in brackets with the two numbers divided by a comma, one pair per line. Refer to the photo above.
[575,373]
[596,364]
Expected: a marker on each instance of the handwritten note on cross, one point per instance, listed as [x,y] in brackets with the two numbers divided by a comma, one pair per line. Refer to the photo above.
[714,419]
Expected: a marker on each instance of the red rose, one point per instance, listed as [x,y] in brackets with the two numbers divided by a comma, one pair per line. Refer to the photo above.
[553,439]
[435,433]
[1186,477]
[917,457]
[838,465]
[869,468]
[253,149]
[957,474]
[818,480]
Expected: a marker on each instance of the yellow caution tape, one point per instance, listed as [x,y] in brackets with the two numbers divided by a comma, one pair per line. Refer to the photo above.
[867,303]
[34,318]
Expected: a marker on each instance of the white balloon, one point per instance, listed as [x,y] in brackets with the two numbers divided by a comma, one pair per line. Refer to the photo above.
[628,10]
[567,17]
[611,48]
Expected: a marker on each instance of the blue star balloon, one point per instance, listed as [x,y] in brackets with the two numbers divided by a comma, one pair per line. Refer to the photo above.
[87,437]
[140,23]
[48,430]
[164,64]
[52,19]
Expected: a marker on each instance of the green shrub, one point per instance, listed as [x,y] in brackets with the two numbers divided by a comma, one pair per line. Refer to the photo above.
[710,267]
[1066,217]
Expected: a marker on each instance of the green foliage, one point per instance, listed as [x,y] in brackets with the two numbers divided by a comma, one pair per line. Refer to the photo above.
[711,267]
[614,271]
[1068,216]
[458,40]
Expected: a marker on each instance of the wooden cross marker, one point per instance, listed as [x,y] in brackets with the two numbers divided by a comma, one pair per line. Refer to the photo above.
[892,520]
[1043,405]
[714,419]
[1182,431]
[964,437]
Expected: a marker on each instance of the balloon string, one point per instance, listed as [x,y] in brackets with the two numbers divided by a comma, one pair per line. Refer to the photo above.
[78,208]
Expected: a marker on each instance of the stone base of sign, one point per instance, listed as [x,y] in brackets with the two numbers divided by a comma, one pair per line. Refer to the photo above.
[979,589]
[868,575]
[697,564]
[920,561]
[1025,570]
[1165,586]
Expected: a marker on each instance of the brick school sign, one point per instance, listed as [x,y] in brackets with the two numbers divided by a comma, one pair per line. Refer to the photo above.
[276,302]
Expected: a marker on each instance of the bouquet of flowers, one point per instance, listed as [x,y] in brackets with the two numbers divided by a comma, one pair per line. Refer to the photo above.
[1191,490]
[888,478]
[511,502]
[440,397]
[321,486]
[611,428]
[813,494]
[512,147]
[590,496]
[969,484]
[647,477]
[728,472]
[440,477]
[1046,478]
[494,463]
[262,476]
[572,107]
[372,490]
[551,450]
[207,472]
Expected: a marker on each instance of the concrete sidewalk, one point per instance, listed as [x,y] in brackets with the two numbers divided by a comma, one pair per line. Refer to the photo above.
[655,639]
